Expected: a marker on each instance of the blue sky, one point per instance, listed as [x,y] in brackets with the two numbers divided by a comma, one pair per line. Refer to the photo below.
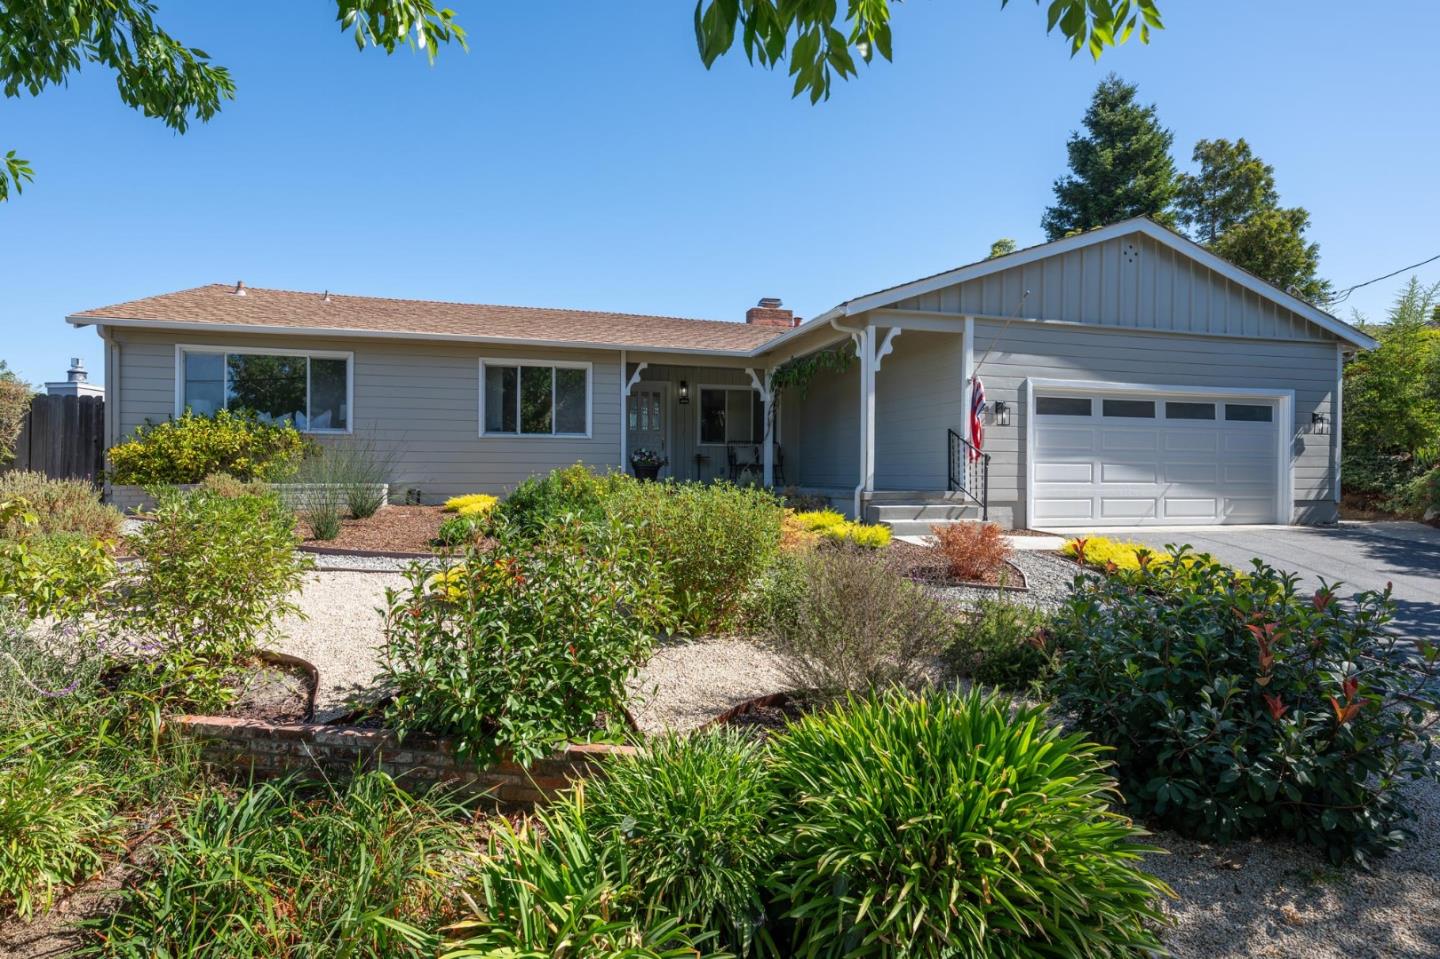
[580,156]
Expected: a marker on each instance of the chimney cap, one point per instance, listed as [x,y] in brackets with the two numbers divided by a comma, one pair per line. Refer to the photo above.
[770,302]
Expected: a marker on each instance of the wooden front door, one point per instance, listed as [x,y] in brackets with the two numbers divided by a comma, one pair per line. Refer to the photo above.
[648,420]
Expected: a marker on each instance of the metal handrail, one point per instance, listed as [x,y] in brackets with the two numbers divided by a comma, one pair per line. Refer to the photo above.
[970,472]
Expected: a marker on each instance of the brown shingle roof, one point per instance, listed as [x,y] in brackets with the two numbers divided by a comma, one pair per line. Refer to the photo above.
[217,305]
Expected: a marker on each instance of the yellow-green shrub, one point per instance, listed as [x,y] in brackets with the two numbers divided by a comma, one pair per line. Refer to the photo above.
[191,447]
[1100,552]
[471,504]
[836,528]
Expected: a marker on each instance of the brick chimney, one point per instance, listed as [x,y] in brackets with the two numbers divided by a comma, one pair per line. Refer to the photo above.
[768,312]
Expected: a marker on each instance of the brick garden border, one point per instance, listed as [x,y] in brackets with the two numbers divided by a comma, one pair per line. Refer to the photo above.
[248,747]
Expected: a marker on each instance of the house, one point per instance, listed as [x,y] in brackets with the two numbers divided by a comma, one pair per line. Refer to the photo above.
[1131,378]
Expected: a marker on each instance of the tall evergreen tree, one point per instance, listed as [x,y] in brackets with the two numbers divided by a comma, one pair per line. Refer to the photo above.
[1119,167]
[1231,206]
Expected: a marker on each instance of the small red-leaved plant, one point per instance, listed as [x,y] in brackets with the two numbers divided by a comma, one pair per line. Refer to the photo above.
[974,552]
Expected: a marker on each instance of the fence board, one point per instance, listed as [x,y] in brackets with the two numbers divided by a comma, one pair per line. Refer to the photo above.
[63,437]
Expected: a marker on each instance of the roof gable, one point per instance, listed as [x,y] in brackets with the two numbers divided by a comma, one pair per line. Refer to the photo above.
[1242,304]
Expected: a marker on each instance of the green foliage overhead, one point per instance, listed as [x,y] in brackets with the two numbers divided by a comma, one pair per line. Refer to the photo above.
[1001,247]
[1120,167]
[1231,206]
[43,43]
[822,40]
[954,825]
[1239,706]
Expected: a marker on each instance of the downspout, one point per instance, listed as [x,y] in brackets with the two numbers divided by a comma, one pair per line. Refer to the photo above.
[861,337]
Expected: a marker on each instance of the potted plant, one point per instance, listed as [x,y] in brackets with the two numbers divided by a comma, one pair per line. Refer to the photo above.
[646,464]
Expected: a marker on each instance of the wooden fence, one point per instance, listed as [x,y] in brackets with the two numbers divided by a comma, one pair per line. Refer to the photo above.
[63,437]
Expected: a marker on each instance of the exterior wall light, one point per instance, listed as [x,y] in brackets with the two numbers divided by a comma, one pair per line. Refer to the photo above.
[1002,413]
[684,392]
[1320,422]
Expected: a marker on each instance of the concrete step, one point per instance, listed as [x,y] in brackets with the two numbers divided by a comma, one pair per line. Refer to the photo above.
[911,527]
[913,496]
[933,512]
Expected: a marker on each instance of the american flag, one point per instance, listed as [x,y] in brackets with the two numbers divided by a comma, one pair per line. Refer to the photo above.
[977,406]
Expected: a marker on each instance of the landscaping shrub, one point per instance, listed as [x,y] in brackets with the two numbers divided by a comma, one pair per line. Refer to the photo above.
[542,500]
[471,504]
[1099,552]
[191,447]
[215,579]
[944,825]
[524,646]
[57,576]
[844,622]
[712,541]
[834,527]
[1420,497]
[362,471]
[58,506]
[1001,643]
[297,869]
[15,399]
[974,552]
[1238,706]
[459,530]
[223,484]
[695,816]
[554,889]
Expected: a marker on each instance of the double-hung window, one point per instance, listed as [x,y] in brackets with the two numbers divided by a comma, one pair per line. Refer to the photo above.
[312,390]
[731,414]
[533,398]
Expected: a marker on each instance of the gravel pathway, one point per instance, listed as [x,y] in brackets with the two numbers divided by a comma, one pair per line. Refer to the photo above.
[687,684]
[1048,576]
[340,633]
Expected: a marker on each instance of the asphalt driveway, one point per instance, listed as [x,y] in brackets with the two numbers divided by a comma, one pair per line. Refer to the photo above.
[1362,556]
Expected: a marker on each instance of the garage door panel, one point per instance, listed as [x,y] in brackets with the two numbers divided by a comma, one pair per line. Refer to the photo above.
[1129,472]
[1065,472]
[1122,471]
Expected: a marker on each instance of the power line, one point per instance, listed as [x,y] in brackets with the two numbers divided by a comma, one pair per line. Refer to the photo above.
[1344,294]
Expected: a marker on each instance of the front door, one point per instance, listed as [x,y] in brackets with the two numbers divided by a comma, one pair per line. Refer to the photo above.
[648,421]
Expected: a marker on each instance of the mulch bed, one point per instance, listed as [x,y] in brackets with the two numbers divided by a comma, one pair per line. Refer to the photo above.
[926,564]
[274,691]
[394,529]
[764,716]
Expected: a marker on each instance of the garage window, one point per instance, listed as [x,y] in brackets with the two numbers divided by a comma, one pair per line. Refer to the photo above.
[1062,406]
[1189,411]
[1130,409]
[1249,412]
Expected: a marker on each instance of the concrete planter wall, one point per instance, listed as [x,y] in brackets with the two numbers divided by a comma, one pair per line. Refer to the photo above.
[246,747]
[128,499]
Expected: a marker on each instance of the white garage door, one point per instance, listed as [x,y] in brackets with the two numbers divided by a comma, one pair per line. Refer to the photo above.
[1132,459]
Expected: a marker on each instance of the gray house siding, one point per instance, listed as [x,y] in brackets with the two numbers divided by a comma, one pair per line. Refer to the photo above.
[1128,282]
[829,421]
[919,395]
[1022,350]
[418,401]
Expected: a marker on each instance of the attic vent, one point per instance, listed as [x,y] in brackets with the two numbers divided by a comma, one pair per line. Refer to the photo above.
[1130,252]
[239,288]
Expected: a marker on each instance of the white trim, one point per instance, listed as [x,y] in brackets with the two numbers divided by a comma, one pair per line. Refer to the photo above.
[624,409]
[666,405]
[1284,428]
[265,350]
[967,379]
[767,417]
[587,366]
[1141,225]
[886,347]
[634,377]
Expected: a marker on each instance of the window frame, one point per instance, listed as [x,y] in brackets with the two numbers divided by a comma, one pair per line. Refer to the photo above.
[500,361]
[224,352]
[755,398]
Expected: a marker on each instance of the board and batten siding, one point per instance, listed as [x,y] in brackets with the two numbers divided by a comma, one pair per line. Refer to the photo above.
[1129,282]
[1022,350]
[416,401]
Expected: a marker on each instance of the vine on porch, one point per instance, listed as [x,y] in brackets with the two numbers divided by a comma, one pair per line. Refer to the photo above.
[798,373]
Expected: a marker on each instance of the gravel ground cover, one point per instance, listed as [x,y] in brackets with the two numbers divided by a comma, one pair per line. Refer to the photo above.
[1047,575]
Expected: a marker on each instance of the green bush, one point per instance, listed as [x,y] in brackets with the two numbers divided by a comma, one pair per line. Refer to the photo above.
[187,449]
[56,576]
[846,622]
[713,541]
[947,825]
[15,398]
[695,817]
[521,647]
[55,819]
[1420,497]
[554,889]
[58,506]
[216,577]
[1001,644]
[543,500]
[1238,706]
[296,869]
[460,530]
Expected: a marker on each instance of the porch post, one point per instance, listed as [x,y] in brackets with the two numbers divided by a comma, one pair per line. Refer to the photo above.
[624,411]
[967,388]
[767,456]
[870,409]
